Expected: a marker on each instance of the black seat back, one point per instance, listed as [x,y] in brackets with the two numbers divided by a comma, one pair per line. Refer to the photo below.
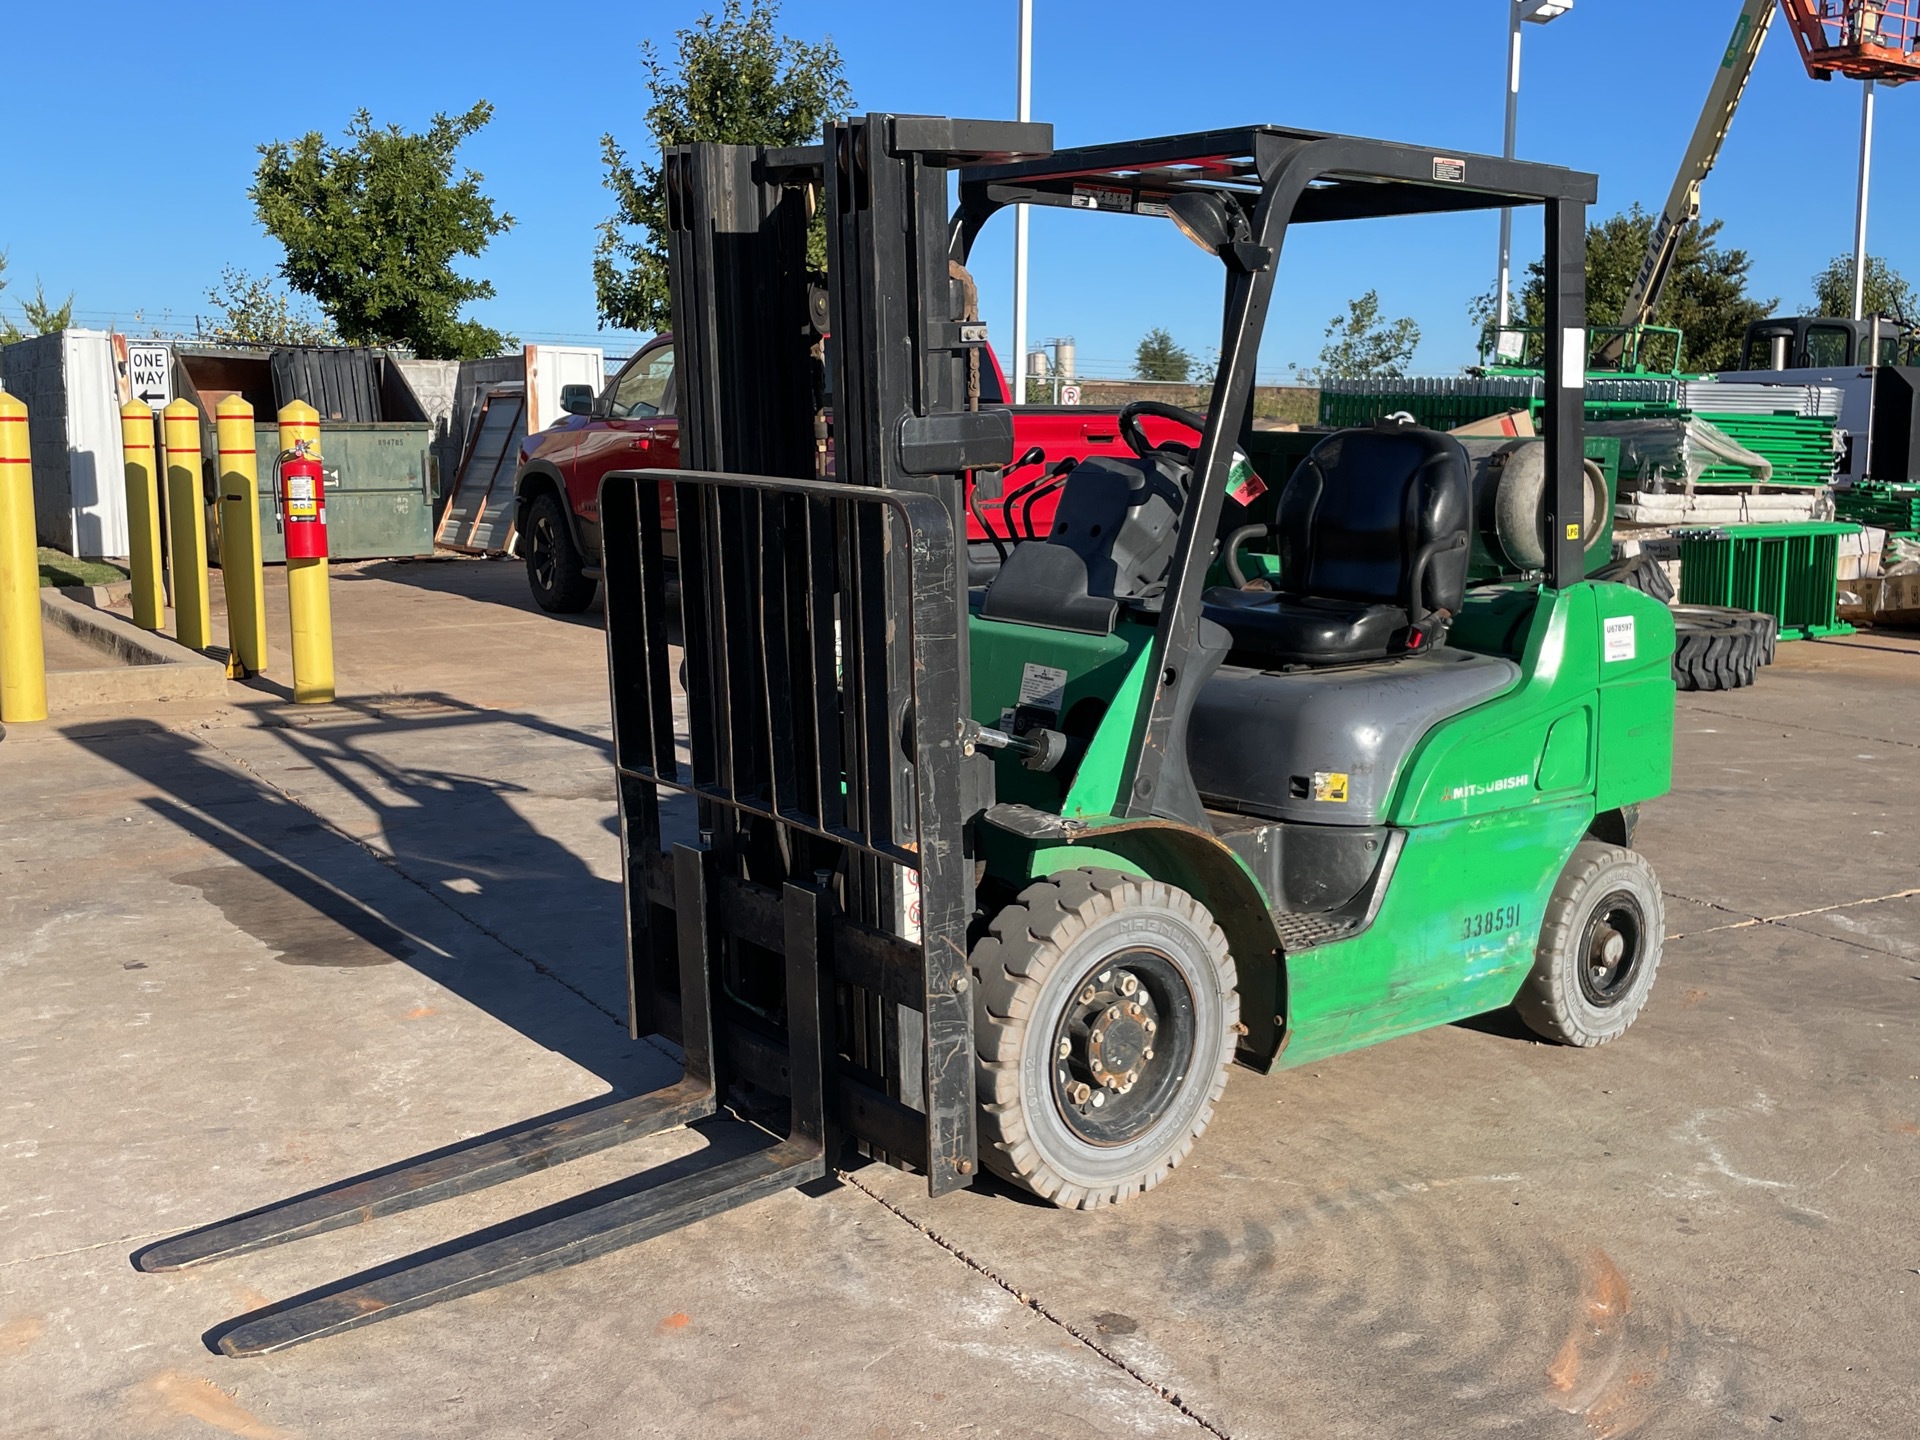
[1378,516]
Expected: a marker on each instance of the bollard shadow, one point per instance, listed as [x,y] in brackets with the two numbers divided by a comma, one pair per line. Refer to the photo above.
[375,834]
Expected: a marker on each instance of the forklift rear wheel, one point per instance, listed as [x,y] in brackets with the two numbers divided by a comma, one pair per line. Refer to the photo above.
[1599,948]
[1106,1014]
[554,569]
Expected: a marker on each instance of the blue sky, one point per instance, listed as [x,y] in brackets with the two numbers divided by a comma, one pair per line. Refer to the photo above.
[131,189]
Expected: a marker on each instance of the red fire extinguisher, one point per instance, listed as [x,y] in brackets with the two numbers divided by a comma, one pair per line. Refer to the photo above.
[303,503]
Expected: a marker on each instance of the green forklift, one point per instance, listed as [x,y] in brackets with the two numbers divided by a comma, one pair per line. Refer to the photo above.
[1009,875]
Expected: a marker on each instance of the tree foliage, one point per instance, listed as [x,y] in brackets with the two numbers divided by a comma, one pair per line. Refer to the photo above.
[251,311]
[733,79]
[41,314]
[372,228]
[1158,358]
[1886,292]
[1361,345]
[1706,295]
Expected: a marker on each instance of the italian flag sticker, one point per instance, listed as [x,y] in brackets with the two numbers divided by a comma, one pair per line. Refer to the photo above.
[1243,486]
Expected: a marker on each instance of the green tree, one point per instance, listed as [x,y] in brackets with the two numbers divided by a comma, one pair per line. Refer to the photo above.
[1706,294]
[1361,345]
[44,316]
[1158,358]
[1886,292]
[733,79]
[372,227]
[251,311]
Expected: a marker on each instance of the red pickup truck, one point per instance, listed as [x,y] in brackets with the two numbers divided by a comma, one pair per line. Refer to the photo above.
[633,424]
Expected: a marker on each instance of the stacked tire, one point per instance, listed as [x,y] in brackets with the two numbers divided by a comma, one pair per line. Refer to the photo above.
[1714,647]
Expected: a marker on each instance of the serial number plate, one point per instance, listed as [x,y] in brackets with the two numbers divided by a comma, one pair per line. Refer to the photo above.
[1490,922]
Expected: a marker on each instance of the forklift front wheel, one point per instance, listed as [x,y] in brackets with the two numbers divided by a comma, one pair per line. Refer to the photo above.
[1106,1015]
[1599,948]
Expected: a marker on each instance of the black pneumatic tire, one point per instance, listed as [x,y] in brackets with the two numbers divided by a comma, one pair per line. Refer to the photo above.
[1717,649]
[1639,572]
[554,568]
[1089,964]
[1599,948]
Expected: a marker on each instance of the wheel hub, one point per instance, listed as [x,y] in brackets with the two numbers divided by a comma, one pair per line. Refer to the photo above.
[1615,938]
[1118,1049]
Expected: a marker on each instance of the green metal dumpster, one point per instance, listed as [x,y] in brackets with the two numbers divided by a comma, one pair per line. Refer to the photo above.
[375,440]
[379,490]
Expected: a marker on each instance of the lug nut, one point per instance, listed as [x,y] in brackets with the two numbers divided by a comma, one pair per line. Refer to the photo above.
[1113,1012]
[1151,1027]
[1148,1055]
[1066,1047]
[1128,984]
[1086,995]
[1080,1091]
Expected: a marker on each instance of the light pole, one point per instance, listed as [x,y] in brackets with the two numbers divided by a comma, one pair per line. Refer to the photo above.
[1535,12]
[1860,202]
[1025,108]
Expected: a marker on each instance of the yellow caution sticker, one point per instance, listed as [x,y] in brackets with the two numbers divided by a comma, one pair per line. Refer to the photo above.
[1573,531]
[1330,785]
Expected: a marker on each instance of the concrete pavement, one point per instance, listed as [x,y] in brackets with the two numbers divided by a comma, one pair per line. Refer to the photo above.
[249,949]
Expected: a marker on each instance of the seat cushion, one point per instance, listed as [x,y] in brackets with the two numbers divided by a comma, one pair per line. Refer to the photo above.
[1306,629]
[1328,746]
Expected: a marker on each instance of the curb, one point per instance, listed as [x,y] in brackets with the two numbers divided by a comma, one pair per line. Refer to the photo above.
[144,666]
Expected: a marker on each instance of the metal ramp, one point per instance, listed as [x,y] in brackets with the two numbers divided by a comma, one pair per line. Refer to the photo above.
[479,515]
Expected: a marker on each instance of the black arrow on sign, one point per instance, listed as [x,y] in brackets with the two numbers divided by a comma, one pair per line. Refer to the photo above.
[150,396]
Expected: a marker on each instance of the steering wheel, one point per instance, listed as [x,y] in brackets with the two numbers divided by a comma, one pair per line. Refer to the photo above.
[1136,438]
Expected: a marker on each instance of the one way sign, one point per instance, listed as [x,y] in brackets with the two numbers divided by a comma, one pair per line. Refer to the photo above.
[150,373]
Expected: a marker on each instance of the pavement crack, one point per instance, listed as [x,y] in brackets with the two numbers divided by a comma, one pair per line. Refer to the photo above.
[1810,729]
[1748,922]
[83,1249]
[1165,1393]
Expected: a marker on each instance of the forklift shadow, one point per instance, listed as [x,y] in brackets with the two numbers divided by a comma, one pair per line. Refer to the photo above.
[449,877]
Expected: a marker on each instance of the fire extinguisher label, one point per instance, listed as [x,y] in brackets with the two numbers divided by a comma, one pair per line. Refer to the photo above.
[300,502]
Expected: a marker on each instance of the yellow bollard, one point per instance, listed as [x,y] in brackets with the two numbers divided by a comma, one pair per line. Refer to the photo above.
[187,527]
[240,537]
[23,654]
[306,575]
[143,515]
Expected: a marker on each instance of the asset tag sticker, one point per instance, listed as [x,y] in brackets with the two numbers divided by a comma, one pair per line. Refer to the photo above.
[1330,786]
[1043,687]
[1619,638]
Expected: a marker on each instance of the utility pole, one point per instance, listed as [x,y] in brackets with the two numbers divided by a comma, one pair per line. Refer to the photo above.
[1024,106]
[1537,12]
[1860,202]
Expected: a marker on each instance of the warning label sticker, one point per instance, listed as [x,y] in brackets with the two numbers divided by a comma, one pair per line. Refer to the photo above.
[1619,638]
[1102,197]
[1447,168]
[1043,687]
[1330,786]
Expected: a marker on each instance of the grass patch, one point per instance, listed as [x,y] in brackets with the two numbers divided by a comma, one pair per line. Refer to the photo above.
[60,569]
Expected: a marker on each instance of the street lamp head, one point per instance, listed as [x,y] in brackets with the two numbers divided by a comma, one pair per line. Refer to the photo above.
[1539,12]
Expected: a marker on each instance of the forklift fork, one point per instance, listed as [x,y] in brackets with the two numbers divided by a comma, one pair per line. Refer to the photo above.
[622,1220]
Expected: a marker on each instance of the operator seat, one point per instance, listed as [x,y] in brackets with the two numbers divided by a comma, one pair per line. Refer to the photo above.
[1372,532]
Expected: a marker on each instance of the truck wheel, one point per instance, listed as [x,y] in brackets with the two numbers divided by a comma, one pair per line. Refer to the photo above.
[554,571]
[1106,1011]
[1599,948]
